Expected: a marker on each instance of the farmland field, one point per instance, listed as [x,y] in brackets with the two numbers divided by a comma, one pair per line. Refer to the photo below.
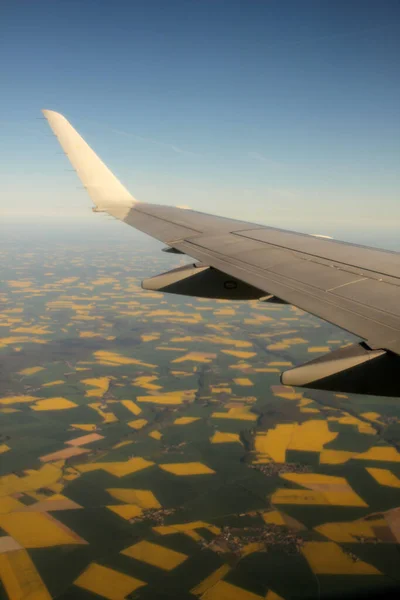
[148,449]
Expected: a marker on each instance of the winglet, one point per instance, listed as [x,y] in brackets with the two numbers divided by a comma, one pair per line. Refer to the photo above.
[102,186]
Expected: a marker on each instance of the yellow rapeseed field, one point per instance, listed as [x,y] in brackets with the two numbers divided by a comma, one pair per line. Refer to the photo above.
[107,582]
[307,497]
[37,530]
[108,417]
[350,531]
[44,477]
[210,581]
[202,357]
[145,381]
[327,558]
[311,436]
[17,399]
[372,416]
[216,389]
[244,381]
[176,397]
[187,528]
[99,384]
[239,353]
[137,423]
[36,329]
[336,490]
[130,405]
[119,469]
[384,477]
[149,337]
[20,339]
[350,420]
[143,498]
[31,370]
[126,511]
[313,349]
[85,426]
[20,577]
[223,590]
[273,443]
[185,420]
[114,359]
[190,468]
[384,453]
[221,437]
[241,413]
[335,457]
[155,555]
[53,404]
[273,516]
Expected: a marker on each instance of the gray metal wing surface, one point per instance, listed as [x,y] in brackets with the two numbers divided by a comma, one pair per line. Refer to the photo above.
[354,287]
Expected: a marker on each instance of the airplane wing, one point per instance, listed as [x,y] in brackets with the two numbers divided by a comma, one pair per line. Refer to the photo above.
[356,288]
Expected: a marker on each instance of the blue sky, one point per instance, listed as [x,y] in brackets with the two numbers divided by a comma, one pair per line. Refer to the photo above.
[276,111]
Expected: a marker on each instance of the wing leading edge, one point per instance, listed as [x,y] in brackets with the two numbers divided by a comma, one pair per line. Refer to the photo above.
[353,287]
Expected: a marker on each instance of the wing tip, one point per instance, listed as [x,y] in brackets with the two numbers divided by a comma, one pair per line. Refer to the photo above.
[52,115]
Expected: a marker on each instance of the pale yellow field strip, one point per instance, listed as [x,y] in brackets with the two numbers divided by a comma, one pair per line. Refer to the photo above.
[115,359]
[63,454]
[85,439]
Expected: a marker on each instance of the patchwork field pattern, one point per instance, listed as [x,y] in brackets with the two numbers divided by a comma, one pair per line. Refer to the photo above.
[148,450]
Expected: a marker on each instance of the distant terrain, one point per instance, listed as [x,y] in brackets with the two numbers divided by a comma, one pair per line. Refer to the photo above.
[149,451]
